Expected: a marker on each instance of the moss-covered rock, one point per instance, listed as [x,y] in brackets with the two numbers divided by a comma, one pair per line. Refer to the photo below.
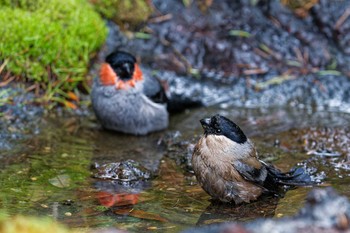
[50,42]
[124,12]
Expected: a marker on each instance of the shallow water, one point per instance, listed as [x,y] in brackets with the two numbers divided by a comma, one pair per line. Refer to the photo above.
[51,174]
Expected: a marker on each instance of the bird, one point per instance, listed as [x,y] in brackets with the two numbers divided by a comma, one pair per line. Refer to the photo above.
[226,165]
[127,101]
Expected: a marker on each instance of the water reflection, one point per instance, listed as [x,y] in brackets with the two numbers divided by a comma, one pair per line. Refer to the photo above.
[116,193]
[223,212]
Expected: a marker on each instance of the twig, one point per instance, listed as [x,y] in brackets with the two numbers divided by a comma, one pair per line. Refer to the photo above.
[261,53]
[32,87]
[275,22]
[254,71]
[269,51]
[306,57]
[3,65]
[177,53]
[160,19]
[4,83]
[298,54]
[342,19]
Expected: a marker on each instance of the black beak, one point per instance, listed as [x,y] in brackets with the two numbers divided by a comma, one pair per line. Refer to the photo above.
[205,122]
[127,68]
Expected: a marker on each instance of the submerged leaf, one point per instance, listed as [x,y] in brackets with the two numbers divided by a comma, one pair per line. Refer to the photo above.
[61,181]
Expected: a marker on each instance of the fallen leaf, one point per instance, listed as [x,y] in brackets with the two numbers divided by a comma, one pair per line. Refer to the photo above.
[61,181]
[72,96]
[70,105]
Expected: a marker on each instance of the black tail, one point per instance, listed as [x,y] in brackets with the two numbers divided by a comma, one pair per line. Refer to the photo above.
[179,103]
[295,177]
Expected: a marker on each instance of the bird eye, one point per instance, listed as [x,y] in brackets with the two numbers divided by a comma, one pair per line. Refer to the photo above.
[218,130]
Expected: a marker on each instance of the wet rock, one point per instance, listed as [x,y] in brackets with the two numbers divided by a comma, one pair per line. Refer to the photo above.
[235,39]
[324,211]
[333,20]
[242,54]
[19,119]
[120,183]
[310,49]
[124,171]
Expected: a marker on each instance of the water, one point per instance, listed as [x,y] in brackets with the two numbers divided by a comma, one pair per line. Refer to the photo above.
[51,175]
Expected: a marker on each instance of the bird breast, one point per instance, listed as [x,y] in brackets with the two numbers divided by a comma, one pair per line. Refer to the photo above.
[224,149]
[213,165]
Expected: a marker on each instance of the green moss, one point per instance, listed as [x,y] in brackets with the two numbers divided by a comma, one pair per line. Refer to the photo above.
[50,42]
[132,12]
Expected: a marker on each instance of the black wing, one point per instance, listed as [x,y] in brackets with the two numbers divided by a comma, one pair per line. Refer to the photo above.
[158,91]
[155,90]
[250,173]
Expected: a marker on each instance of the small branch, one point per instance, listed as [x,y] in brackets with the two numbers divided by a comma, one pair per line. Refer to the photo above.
[342,19]
[160,19]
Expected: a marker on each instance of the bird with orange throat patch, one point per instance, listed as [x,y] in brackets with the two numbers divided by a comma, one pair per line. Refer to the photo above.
[125,100]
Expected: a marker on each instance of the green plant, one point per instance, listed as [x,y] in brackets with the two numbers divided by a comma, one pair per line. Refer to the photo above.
[50,42]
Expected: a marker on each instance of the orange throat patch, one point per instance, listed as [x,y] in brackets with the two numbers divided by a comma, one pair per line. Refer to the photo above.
[109,77]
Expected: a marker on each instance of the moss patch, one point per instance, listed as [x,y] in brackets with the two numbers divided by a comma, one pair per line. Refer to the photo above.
[50,42]
[124,12]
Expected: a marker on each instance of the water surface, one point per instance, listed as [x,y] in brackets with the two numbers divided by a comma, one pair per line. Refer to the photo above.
[51,174]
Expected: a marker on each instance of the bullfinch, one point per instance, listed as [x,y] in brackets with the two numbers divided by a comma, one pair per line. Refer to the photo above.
[125,100]
[227,166]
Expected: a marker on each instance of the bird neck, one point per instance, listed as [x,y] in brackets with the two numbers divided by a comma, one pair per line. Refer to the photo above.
[109,77]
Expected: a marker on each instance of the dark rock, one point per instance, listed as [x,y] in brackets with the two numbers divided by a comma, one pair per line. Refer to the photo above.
[124,171]
[246,55]
[119,184]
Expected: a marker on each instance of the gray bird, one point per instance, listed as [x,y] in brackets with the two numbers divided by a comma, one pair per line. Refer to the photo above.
[125,100]
[227,167]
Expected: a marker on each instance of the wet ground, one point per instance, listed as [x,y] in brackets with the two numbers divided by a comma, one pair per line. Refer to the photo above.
[52,172]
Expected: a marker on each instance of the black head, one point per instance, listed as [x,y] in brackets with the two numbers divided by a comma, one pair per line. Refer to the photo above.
[122,63]
[219,125]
